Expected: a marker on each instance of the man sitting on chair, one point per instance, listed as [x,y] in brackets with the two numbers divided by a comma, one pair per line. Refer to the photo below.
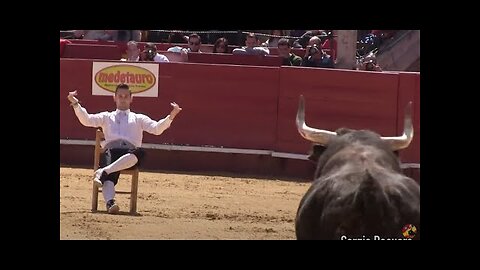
[123,131]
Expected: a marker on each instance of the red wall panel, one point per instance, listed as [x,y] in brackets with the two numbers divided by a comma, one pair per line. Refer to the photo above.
[334,99]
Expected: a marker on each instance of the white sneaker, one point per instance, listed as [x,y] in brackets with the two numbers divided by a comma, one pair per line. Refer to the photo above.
[112,207]
[97,176]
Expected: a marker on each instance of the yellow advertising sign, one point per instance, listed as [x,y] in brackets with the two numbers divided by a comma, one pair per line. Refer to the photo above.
[141,78]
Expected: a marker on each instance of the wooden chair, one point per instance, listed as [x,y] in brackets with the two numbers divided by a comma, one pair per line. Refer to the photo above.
[133,172]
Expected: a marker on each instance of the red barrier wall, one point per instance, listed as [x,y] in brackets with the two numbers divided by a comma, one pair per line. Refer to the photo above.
[334,99]
[254,107]
[92,51]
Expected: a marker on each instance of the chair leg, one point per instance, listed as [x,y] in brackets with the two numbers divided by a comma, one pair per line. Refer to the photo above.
[94,198]
[133,194]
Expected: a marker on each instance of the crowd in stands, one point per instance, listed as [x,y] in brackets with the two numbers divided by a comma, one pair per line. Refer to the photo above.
[319,46]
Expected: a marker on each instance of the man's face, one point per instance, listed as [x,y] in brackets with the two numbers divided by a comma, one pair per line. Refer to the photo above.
[250,42]
[284,51]
[194,44]
[221,48]
[123,98]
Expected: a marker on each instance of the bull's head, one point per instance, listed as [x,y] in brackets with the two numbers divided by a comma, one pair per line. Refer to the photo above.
[322,137]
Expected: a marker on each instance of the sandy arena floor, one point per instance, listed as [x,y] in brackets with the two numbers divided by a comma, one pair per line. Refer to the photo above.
[182,206]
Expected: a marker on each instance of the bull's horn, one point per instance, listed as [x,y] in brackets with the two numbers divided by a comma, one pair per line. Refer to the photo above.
[403,141]
[318,136]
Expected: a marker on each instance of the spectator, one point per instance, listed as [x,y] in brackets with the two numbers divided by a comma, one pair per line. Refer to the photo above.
[284,51]
[303,41]
[329,44]
[150,54]
[252,47]
[273,41]
[194,43]
[221,46]
[373,41]
[315,40]
[316,57]
[370,64]
[133,52]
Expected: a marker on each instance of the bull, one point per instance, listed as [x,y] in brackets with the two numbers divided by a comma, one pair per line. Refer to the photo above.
[359,190]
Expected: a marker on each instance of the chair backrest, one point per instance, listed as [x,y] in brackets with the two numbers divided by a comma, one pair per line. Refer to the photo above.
[99,136]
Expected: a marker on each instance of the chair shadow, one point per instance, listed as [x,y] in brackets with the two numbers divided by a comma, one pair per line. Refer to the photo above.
[120,213]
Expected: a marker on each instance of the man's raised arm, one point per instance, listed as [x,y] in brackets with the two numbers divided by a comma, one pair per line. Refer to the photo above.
[88,120]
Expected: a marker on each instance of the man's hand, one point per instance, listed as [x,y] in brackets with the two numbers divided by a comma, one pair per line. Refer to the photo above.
[176,109]
[184,54]
[71,97]
[307,51]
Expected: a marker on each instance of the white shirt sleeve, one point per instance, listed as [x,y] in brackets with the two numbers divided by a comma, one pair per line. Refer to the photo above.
[154,127]
[261,50]
[89,120]
[160,58]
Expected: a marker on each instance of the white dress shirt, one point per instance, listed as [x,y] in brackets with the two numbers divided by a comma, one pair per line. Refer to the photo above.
[125,125]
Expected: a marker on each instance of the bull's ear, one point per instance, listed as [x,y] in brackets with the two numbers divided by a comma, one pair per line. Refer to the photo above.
[342,131]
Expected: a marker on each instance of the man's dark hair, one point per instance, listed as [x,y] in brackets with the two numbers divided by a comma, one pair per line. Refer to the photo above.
[283,42]
[123,86]
[195,36]
[151,46]
[252,35]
